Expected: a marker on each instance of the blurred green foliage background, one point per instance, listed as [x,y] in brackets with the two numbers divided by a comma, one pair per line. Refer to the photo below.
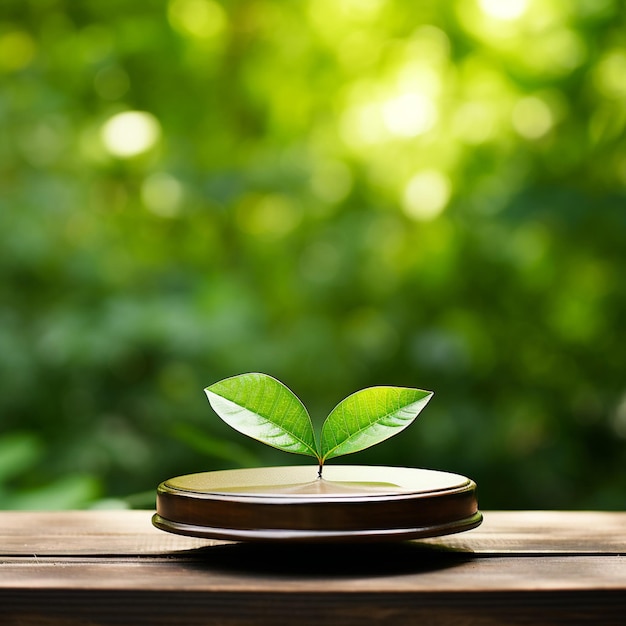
[339,193]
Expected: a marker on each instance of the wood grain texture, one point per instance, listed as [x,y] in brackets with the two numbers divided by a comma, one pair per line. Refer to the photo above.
[131,533]
[97,567]
[335,609]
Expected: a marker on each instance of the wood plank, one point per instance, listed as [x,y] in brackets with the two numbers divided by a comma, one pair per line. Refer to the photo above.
[87,533]
[131,533]
[240,570]
[107,568]
[544,532]
[54,608]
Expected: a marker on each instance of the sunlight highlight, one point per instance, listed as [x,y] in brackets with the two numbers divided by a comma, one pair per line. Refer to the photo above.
[130,133]
[409,115]
[506,10]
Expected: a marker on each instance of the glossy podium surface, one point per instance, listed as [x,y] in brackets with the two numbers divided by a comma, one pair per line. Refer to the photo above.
[350,503]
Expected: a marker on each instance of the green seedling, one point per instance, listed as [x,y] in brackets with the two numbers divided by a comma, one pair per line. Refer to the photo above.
[261,407]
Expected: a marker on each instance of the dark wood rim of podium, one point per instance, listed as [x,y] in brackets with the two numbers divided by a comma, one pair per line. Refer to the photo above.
[351,503]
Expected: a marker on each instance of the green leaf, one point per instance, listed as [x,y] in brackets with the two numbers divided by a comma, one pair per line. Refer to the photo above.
[368,417]
[262,407]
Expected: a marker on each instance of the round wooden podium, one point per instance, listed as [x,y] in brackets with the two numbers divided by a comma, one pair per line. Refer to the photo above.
[350,503]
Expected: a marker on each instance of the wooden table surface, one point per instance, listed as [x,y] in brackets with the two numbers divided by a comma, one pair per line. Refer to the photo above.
[113,567]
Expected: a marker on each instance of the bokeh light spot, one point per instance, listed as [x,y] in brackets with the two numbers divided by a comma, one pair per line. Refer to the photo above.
[474,122]
[17,50]
[426,195]
[361,9]
[271,215]
[162,194]
[429,43]
[363,125]
[409,115]
[201,19]
[331,181]
[532,118]
[42,144]
[564,47]
[504,9]
[610,74]
[130,133]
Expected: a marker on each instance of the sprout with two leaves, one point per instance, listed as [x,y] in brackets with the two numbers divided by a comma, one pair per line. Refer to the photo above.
[261,407]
